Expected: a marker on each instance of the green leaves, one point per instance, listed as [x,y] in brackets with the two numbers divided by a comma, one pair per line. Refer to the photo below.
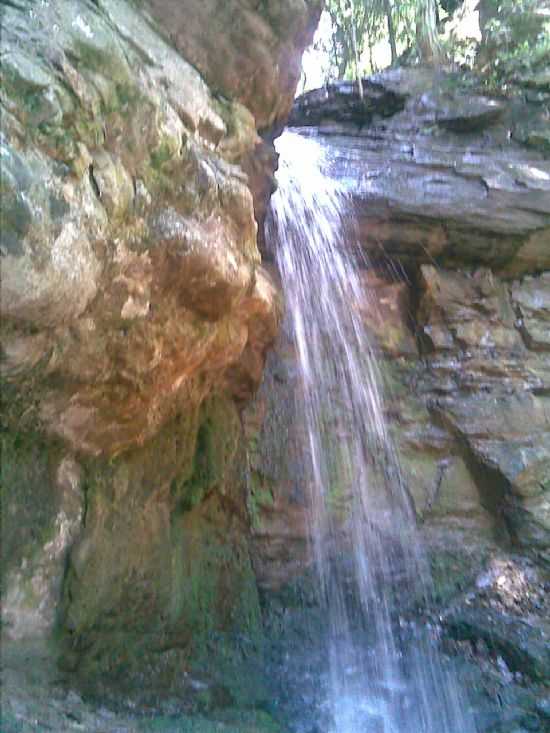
[363,35]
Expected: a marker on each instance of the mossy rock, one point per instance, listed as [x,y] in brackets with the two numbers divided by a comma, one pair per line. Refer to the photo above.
[164,559]
[29,503]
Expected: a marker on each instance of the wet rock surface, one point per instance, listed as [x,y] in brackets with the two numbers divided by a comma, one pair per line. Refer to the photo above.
[472,436]
[467,402]
[503,673]
[36,698]
[441,180]
[456,303]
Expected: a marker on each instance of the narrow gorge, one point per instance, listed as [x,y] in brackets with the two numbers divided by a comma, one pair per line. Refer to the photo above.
[275,432]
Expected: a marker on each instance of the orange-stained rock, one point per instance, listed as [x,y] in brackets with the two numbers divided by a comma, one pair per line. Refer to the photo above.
[137,290]
[386,313]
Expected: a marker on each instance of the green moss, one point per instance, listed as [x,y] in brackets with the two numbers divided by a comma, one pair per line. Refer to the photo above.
[259,496]
[213,584]
[338,498]
[161,155]
[452,572]
[168,561]
[28,502]
[104,57]
[191,492]
[215,447]
[230,721]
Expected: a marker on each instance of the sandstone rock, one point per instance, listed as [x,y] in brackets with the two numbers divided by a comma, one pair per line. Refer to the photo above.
[163,555]
[262,311]
[386,313]
[136,318]
[43,509]
[468,414]
[462,311]
[493,397]
[260,166]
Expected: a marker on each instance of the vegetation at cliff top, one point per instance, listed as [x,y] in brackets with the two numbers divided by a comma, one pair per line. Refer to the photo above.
[505,40]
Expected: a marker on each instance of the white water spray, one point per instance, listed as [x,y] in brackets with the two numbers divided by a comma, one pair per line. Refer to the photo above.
[362,525]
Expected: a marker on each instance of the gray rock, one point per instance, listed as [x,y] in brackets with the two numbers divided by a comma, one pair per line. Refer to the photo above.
[461,113]
[531,298]
[523,647]
[425,192]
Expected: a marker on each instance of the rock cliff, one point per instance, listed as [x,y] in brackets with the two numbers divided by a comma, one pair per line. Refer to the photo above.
[136,319]
[437,171]
[135,314]
[454,219]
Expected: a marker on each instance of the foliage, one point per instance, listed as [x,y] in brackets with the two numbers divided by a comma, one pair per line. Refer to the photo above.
[345,15]
[369,19]
[515,35]
[516,38]
[398,24]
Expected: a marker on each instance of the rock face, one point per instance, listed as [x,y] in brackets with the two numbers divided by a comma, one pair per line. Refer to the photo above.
[493,388]
[252,51]
[457,307]
[136,317]
[461,215]
[440,179]
[130,263]
[136,314]
[467,399]
[252,54]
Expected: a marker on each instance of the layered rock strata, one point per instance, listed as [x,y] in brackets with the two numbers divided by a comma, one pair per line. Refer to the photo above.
[436,172]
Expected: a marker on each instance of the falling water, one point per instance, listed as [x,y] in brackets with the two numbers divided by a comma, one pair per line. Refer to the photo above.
[384,676]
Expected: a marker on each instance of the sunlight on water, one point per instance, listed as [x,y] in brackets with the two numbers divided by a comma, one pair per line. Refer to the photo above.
[366,551]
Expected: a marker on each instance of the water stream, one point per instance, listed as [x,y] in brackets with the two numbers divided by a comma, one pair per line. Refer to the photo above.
[385,676]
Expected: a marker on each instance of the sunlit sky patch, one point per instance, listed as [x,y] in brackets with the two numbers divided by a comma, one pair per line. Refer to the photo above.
[315,62]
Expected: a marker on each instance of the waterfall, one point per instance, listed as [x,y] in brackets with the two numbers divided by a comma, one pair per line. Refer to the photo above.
[385,676]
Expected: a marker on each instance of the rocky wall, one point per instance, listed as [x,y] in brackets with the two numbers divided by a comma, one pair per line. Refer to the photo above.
[466,398]
[454,223]
[135,315]
[454,219]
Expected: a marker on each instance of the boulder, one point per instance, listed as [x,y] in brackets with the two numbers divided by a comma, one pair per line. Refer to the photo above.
[129,238]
